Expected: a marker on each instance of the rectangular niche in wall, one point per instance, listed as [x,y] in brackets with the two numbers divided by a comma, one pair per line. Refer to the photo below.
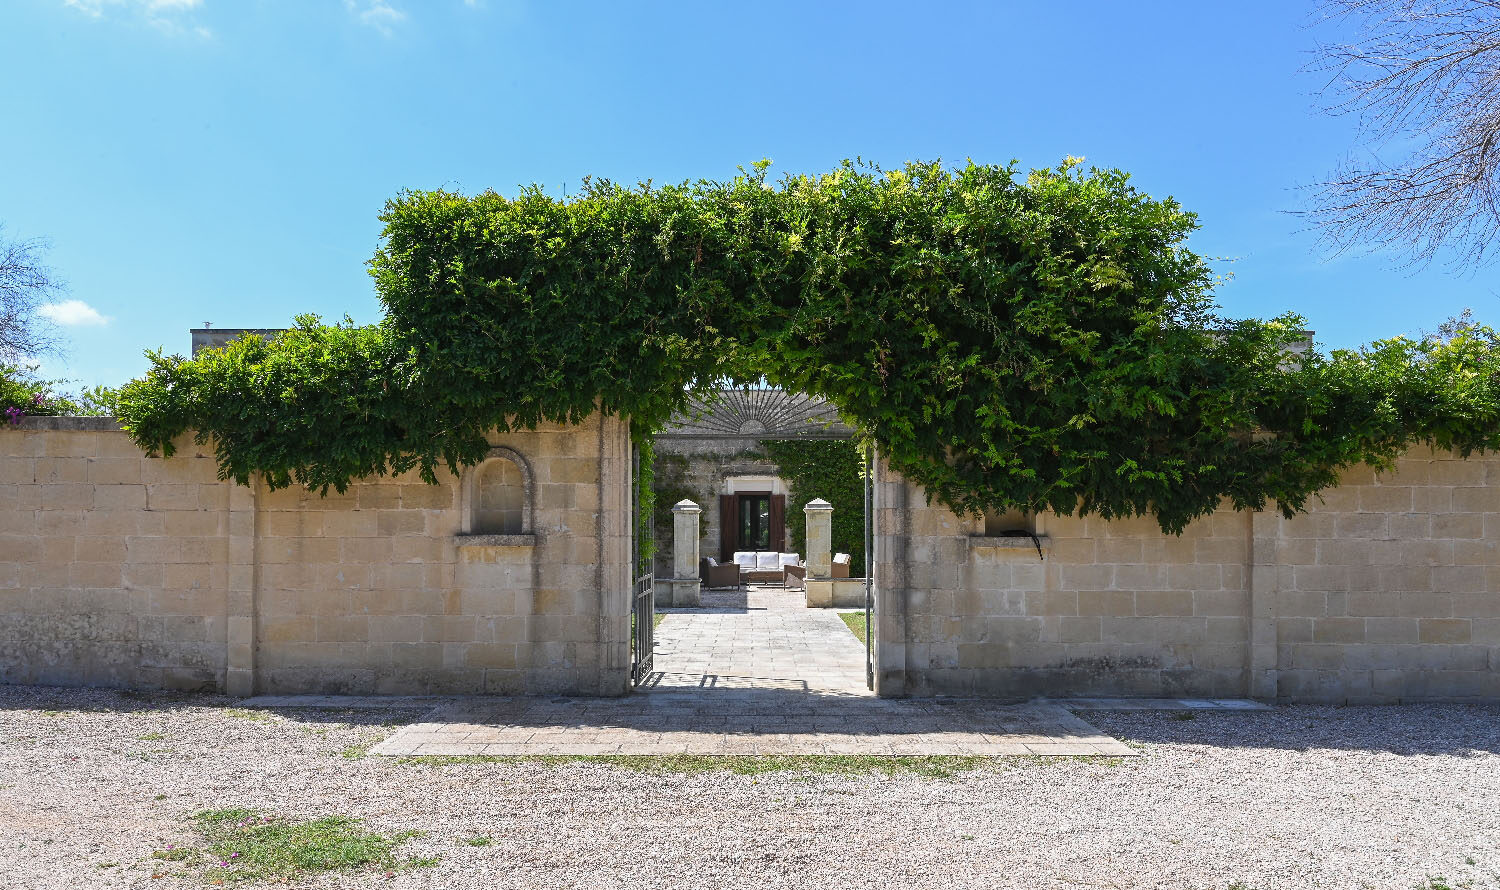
[1010,524]
[1012,530]
[500,502]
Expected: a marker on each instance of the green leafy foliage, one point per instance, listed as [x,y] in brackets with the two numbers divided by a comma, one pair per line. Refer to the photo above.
[645,494]
[831,469]
[23,393]
[97,401]
[1041,341]
[668,487]
[318,406]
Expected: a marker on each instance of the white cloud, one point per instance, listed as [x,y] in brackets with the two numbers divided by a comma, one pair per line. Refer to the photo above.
[96,8]
[90,8]
[378,14]
[164,15]
[73,313]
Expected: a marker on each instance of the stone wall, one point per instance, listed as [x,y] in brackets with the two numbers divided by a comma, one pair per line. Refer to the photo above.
[120,570]
[1385,591]
[113,568]
[696,469]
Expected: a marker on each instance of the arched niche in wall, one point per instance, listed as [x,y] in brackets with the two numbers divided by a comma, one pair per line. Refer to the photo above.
[499,496]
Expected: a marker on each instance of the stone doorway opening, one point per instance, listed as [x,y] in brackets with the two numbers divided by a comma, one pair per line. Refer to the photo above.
[745,573]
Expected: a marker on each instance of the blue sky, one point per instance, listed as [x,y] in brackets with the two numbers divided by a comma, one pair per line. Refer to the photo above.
[224,160]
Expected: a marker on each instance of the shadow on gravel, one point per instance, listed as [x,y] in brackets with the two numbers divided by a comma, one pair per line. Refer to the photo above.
[68,698]
[60,699]
[1409,730]
[349,716]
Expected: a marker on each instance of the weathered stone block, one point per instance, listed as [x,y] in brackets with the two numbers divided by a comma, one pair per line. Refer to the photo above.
[1116,603]
[400,522]
[421,496]
[1226,630]
[1234,602]
[1140,577]
[1444,630]
[1391,630]
[1128,630]
[1339,630]
[1384,499]
[1159,603]
[1052,602]
[1085,577]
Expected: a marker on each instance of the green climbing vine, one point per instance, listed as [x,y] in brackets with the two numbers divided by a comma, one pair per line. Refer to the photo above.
[669,486]
[1041,341]
[645,493]
[831,469]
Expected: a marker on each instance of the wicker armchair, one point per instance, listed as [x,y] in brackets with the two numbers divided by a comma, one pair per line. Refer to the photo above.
[714,575]
[795,577]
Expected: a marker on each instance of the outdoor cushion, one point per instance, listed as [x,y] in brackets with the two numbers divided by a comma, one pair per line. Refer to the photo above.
[745,558]
[767,561]
[790,559]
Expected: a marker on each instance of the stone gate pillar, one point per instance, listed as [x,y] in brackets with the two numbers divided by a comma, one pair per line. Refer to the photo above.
[686,586]
[819,515]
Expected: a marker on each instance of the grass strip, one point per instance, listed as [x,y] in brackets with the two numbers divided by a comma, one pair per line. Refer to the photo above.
[856,623]
[241,845]
[930,766]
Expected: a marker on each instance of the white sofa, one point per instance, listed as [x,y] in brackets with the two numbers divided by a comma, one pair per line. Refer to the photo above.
[765,566]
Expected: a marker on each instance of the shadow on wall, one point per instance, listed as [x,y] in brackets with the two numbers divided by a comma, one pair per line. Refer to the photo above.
[1406,730]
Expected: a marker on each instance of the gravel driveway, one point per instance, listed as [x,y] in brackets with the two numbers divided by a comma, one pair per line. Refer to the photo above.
[91,782]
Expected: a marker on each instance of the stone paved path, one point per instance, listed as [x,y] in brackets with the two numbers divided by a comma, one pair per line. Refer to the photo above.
[760,638]
[752,672]
[748,721]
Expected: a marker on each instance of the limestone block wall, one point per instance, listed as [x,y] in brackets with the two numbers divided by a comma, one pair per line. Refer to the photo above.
[1385,591]
[113,568]
[1390,590]
[116,569]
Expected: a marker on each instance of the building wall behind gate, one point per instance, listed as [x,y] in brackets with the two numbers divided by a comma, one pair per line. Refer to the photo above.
[1384,591]
[116,569]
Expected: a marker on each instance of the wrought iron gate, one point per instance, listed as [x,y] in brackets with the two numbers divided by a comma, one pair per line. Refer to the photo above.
[643,595]
[869,566]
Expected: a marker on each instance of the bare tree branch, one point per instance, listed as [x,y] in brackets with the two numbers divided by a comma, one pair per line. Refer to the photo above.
[1423,81]
[26,284]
